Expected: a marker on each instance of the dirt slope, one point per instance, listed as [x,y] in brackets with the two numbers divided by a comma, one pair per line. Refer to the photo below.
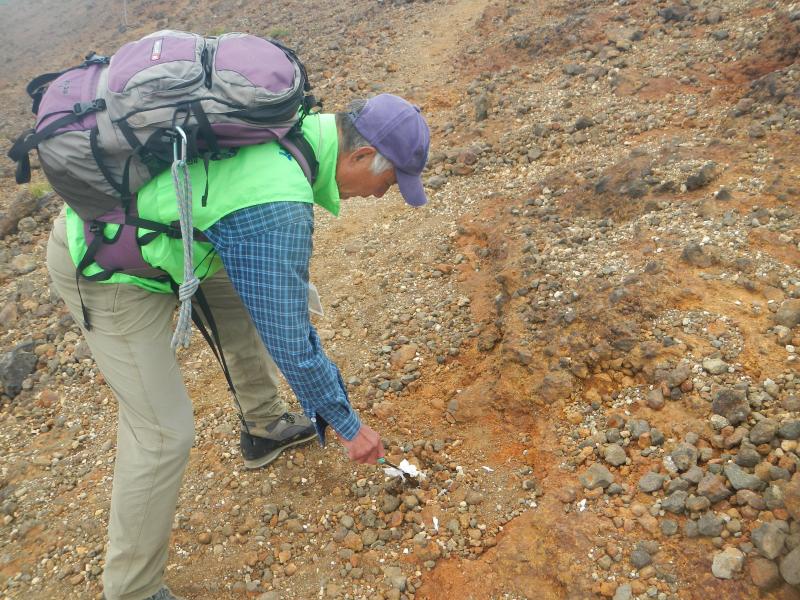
[588,340]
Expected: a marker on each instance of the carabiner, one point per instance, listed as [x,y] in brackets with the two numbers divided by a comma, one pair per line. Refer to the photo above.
[184,142]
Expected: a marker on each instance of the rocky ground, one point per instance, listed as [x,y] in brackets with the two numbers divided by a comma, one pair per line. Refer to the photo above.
[588,341]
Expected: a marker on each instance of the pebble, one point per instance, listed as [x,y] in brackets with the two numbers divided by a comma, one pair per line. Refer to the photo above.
[790,430]
[411,501]
[731,404]
[567,495]
[614,454]
[727,563]
[788,314]
[713,487]
[669,527]
[655,399]
[713,16]
[637,427]
[15,367]
[791,403]
[676,502]
[718,422]
[791,496]
[23,263]
[748,457]
[353,542]
[764,573]
[769,540]
[715,366]
[596,476]
[709,525]
[764,431]
[623,592]
[694,475]
[742,480]
[699,256]
[9,314]
[651,482]
[676,485]
[390,504]
[684,456]
[640,558]
[790,567]
[436,182]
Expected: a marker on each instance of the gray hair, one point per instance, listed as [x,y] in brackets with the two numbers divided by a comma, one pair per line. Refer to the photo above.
[350,139]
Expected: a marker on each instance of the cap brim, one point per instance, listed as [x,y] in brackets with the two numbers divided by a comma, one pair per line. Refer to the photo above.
[411,188]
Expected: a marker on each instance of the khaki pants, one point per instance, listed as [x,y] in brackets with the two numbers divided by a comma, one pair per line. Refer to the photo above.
[130,340]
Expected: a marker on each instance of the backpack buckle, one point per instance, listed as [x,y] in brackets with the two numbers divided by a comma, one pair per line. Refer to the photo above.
[85,108]
[97,227]
[95,59]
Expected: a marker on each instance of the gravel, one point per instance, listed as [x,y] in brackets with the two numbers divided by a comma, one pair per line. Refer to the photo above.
[594,295]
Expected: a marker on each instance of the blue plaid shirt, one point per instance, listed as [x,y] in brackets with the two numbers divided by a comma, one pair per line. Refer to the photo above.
[266,250]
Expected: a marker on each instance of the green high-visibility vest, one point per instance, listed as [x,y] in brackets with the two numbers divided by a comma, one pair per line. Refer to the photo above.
[254,175]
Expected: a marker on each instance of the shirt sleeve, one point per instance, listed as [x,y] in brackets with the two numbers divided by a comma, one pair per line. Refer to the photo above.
[266,251]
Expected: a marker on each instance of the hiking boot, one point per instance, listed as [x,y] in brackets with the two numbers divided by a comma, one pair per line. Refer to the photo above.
[292,429]
[162,594]
[165,594]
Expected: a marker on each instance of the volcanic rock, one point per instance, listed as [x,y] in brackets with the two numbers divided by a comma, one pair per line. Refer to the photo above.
[769,540]
[732,404]
[727,563]
[790,567]
[15,366]
[596,476]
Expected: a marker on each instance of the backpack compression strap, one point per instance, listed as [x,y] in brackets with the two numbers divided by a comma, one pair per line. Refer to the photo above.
[37,86]
[36,89]
[31,138]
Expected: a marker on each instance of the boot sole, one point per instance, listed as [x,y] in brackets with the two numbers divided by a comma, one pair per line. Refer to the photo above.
[263,461]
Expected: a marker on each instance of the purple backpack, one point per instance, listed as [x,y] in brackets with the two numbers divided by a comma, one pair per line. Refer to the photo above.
[106,127]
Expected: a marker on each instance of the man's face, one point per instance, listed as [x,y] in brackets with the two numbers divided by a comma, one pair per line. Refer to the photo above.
[354,176]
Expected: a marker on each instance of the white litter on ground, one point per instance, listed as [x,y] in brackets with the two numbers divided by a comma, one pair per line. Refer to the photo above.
[406,468]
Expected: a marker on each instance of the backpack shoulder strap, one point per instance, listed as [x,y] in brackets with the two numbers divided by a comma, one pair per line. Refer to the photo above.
[297,145]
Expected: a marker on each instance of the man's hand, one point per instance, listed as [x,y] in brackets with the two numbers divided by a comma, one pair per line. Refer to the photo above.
[366,447]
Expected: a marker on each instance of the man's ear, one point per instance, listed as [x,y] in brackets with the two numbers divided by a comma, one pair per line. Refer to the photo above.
[362,153]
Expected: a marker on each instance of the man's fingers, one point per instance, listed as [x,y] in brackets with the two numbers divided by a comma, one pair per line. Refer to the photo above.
[369,454]
[364,454]
[366,447]
[357,454]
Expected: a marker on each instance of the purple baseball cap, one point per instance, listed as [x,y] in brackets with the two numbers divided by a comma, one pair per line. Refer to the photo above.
[399,132]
